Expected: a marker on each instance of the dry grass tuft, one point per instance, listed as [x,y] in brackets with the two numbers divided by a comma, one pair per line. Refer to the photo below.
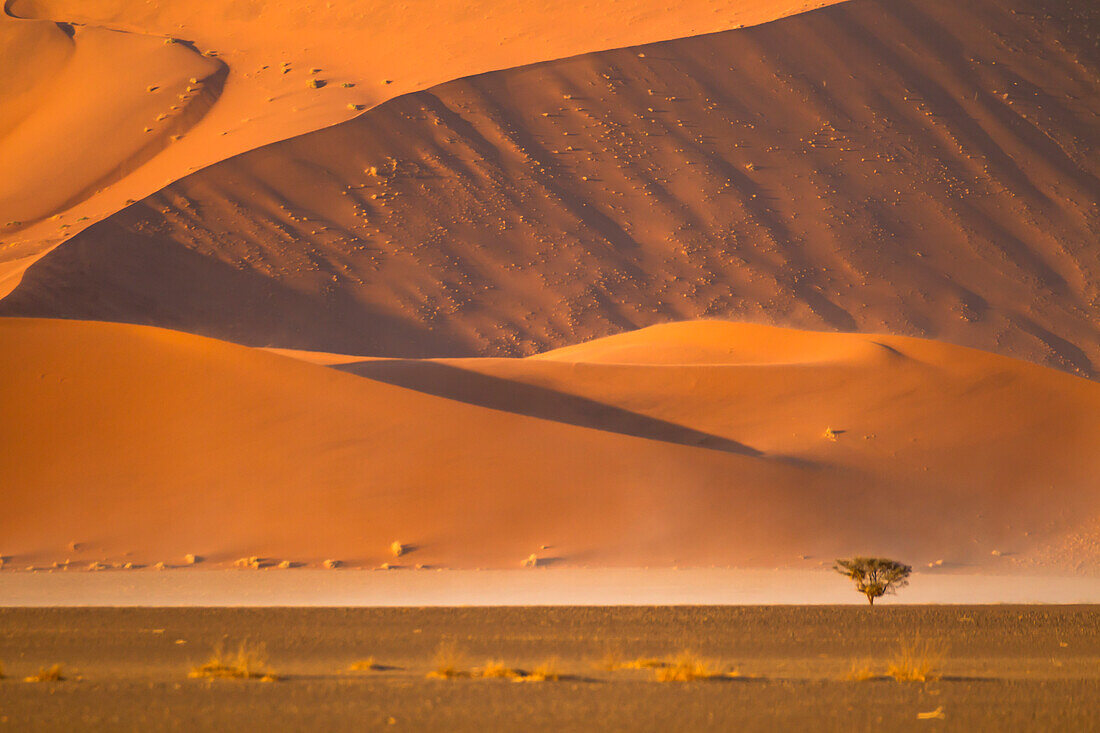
[613,661]
[917,661]
[449,662]
[249,662]
[496,669]
[53,673]
[861,671]
[362,665]
[548,671]
[398,549]
[687,667]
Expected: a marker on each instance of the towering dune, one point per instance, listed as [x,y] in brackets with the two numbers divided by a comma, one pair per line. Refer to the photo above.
[922,167]
[696,443]
[79,70]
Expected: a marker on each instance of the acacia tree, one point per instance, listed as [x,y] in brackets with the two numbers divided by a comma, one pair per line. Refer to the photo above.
[875,576]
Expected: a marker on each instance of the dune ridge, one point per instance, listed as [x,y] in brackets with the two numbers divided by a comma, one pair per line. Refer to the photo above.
[923,168]
[289,69]
[142,444]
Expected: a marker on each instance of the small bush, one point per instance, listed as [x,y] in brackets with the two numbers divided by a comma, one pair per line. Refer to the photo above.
[916,662]
[247,663]
[53,673]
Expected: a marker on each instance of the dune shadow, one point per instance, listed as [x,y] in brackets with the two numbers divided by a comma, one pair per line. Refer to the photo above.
[452,382]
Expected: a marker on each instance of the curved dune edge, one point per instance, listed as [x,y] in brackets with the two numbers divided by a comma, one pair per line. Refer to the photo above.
[921,167]
[143,445]
[359,53]
[115,101]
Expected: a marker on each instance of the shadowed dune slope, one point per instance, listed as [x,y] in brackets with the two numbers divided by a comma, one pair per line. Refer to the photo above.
[290,67]
[927,168]
[158,443]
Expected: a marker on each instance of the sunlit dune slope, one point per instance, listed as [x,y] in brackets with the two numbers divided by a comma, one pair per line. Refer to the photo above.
[80,69]
[918,167]
[84,107]
[132,439]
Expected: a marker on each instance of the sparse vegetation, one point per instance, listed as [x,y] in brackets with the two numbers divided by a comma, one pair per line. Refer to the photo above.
[874,576]
[916,661]
[449,662]
[398,549]
[687,667]
[247,663]
[548,670]
[53,673]
[362,665]
[861,671]
[496,669]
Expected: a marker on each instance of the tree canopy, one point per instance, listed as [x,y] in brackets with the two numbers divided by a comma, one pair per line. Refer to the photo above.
[875,576]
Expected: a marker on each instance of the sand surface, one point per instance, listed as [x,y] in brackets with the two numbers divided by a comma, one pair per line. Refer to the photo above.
[919,167]
[97,83]
[693,444]
[553,587]
[1004,668]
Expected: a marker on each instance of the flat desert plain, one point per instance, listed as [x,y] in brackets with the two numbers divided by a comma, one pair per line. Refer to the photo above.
[991,668]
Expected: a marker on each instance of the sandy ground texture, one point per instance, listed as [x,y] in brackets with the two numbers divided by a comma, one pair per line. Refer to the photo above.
[1002,668]
[560,586]
[126,96]
[918,167]
[692,444]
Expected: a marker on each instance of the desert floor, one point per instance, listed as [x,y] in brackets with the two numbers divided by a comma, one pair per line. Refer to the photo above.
[1004,668]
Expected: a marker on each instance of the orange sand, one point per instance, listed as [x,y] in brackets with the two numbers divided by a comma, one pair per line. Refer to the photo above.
[697,443]
[856,168]
[92,86]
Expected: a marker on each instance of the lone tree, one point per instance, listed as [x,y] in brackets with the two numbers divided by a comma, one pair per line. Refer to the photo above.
[875,576]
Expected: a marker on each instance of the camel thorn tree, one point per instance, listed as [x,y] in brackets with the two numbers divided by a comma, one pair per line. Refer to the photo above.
[875,576]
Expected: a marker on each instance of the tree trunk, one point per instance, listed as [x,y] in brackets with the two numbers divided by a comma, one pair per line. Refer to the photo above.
[871,599]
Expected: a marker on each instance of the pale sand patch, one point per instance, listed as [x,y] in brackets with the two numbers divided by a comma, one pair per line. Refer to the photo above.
[602,587]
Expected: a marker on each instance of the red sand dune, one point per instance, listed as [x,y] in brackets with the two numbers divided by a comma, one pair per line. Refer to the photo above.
[694,443]
[918,167]
[80,70]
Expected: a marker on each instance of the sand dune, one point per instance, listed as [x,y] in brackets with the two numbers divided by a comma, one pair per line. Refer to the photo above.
[80,69]
[925,168]
[156,443]
[93,103]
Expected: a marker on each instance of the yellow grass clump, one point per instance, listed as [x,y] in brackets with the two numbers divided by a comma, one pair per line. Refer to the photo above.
[613,661]
[247,663]
[398,549]
[362,665]
[687,667]
[496,669]
[861,671]
[547,671]
[53,673]
[916,662]
[449,662]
